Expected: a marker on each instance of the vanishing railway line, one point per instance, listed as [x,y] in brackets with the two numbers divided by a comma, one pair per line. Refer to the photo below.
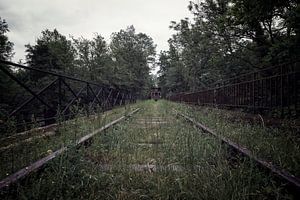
[97,142]
[157,150]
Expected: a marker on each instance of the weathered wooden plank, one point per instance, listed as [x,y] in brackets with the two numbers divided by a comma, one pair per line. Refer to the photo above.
[151,168]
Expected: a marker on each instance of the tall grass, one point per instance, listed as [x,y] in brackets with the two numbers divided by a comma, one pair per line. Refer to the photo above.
[206,171]
[279,146]
[24,151]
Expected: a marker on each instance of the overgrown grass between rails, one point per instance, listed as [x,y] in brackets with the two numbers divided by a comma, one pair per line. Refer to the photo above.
[282,148]
[24,153]
[207,174]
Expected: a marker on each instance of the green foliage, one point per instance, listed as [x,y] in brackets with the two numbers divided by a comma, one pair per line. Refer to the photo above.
[227,38]
[93,60]
[8,88]
[171,73]
[52,52]
[125,63]
[6,47]
[133,55]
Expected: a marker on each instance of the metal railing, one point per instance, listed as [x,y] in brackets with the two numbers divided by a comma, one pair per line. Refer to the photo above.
[273,89]
[57,97]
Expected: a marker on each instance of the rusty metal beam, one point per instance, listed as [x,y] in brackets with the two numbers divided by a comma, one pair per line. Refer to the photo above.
[32,98]
[50,73]
[26,87]
[72,101]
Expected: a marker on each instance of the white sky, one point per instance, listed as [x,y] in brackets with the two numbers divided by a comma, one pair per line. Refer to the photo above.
[27,18]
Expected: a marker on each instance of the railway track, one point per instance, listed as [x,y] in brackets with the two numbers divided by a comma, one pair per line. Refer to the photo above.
[39,132]
[292,182]
[6,182]
[157,145]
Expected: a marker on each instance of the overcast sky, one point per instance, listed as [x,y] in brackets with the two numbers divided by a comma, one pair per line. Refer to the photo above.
[27,18]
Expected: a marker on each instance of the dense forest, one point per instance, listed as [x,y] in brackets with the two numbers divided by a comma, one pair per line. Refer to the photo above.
[226,38]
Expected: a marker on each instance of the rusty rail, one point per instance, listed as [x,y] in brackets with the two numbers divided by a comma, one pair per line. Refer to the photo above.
[40,163]
[293,182]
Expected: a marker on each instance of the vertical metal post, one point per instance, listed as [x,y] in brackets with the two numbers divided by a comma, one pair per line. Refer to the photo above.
[269,96]
[87,99]
[288,90]
[253,92]
[116,99]
[238,94]
[271,93]
[281,91]
[249,94]
[59,107]
[107,101]
[59,94]
[122,99]
[263,92]
[259,93]
[125,99]
[242,93]
[275,93]
[295,89]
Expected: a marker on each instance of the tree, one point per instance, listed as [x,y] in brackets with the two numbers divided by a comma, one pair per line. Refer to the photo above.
[172,71]
[230,37]
[6,47]
[271,25]
[52,52]
[8,88]
[134,55]
[93,59]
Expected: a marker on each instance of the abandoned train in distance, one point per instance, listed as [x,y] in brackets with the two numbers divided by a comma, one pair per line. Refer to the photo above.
[155,93]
